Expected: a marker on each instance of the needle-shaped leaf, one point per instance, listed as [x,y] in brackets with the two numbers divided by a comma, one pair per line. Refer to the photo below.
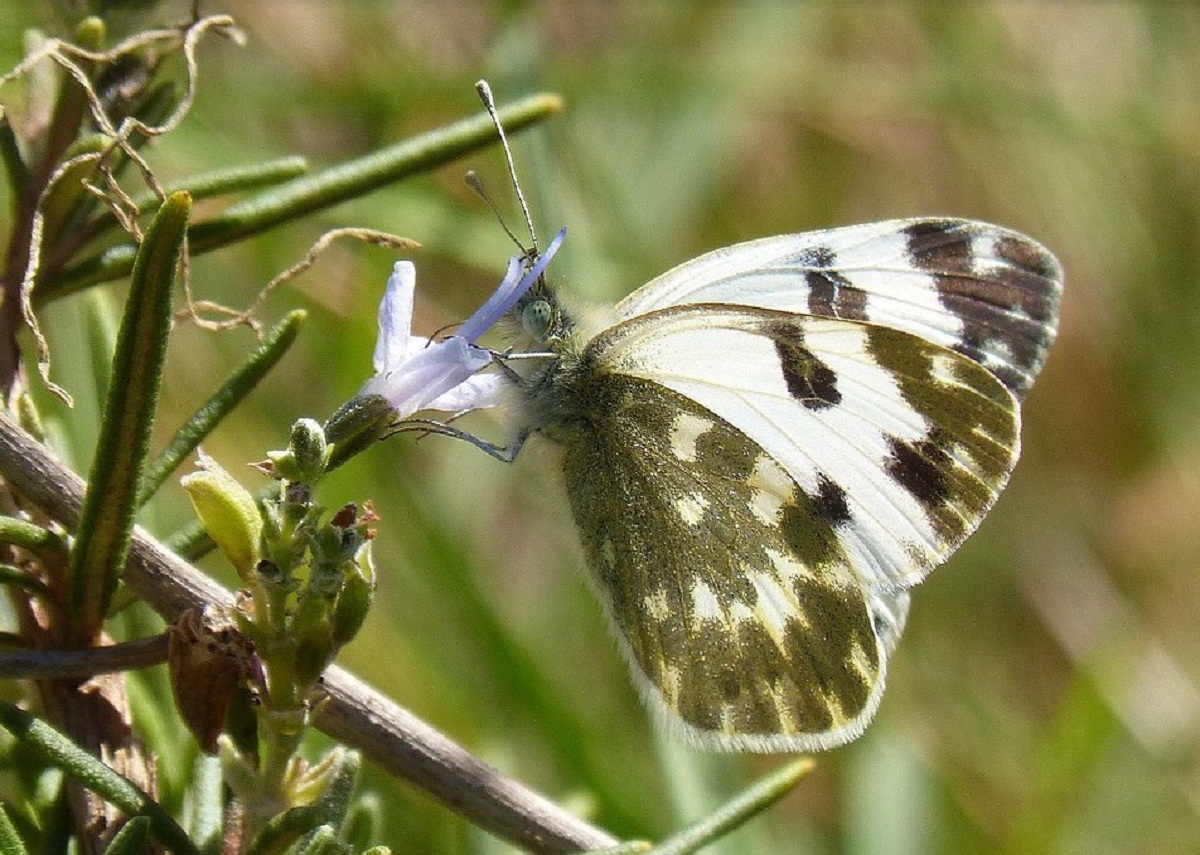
[309,193]
[131,839]
[93,774]
[748,804]
[70,107]
[204,817]
[204,185]
[207,185]
[49,547]
[233,179]
[10,841]
[236,387]
[68,194]
[114,483]
[10,574]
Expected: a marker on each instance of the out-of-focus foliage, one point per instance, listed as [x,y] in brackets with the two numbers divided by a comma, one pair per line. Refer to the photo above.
[1045,696]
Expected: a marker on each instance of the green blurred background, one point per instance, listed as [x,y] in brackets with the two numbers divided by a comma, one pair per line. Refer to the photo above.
[1045,696]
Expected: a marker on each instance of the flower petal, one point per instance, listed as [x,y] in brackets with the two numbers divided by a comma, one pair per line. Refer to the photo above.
[414,374]
[428,374]
[502,299]
[475,393]
[509,291]
[395,318]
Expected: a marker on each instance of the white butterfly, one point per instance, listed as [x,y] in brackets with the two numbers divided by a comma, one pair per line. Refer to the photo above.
[770,444]
[764,449]
[774,441]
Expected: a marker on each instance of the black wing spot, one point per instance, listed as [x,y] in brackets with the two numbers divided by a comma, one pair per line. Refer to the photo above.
[830,294]
[1007,301]
[938,246]
[830,502]
[921,468]
[809,380]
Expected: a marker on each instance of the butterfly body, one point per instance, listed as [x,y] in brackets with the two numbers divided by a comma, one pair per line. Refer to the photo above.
[770,444]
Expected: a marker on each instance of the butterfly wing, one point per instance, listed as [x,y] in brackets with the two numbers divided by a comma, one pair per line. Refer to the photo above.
[728,587]
[755,491]
[911,442]
[986,292]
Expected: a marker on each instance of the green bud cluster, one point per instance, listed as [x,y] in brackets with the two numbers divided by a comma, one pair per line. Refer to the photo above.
[308,576]
[308,580]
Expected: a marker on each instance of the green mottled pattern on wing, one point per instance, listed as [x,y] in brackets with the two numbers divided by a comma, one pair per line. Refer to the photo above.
[727,584]
[961,466]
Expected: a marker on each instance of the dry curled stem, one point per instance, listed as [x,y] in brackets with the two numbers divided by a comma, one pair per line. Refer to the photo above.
[118,137]
[234,317]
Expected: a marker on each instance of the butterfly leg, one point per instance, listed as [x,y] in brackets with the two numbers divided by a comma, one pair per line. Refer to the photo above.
[505,454]
[502,360]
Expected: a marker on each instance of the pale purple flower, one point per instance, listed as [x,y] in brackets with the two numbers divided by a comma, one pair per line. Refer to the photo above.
[414,373]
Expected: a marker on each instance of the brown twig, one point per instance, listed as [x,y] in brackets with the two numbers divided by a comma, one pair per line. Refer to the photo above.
[87,662]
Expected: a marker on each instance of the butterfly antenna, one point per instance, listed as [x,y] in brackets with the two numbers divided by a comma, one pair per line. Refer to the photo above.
[489,104]
[476,183]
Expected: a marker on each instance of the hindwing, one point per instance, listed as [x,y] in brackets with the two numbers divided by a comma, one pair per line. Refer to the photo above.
[755,491]
[726,582]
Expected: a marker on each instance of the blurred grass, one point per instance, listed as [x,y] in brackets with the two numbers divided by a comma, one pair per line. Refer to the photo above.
[1045,696]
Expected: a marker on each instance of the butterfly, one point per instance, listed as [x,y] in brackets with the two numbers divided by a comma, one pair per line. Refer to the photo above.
[766,447]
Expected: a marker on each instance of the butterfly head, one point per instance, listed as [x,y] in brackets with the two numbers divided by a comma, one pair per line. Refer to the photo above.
[540,316]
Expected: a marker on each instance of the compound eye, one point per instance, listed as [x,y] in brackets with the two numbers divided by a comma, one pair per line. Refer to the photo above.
[535,318]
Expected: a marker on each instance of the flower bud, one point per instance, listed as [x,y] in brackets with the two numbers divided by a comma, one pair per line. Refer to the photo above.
[357,593]
[306,454]
[314,648]
[357,425]
[228,513]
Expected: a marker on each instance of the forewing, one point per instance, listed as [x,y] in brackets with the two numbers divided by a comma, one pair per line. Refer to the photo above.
[902,444]
[727,583]
[986,292]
